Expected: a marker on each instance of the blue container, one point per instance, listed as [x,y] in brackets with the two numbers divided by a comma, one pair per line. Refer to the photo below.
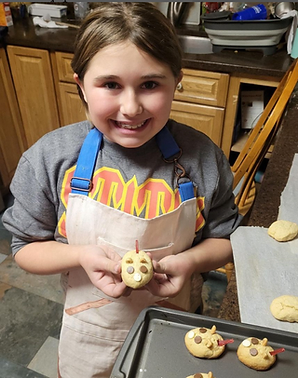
[257,12]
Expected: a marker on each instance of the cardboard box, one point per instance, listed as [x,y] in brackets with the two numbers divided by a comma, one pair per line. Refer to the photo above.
[252,106]
[5,15]
[56,11]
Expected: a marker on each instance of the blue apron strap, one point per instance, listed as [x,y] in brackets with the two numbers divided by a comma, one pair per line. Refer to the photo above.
[166,143]
[81,183]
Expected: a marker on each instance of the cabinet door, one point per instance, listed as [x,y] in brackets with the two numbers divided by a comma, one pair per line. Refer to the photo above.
[33,80]
[72,109]
[203,87]
[207,119]
[12,143]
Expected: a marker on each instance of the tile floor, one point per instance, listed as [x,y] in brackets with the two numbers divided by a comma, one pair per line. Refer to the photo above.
[31,308]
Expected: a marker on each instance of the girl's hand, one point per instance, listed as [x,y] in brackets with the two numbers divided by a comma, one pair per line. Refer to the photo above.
[103,267]
[171,273]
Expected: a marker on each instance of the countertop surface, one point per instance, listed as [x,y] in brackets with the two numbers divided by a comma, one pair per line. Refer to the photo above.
[265,209]
[267,202]
[24,33]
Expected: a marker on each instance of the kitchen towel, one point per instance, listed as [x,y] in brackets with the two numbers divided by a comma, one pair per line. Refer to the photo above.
[265,268]
[39,21]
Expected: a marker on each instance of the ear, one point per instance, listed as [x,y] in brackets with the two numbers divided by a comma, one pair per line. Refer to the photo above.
[179,78]
[80,84]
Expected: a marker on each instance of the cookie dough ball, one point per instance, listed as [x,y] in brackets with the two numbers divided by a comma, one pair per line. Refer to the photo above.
[202,375]
[285,308]
[283,230]
[203,342]
[136,269]
[255,353]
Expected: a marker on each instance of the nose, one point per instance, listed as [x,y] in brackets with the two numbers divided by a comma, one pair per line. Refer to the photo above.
[130,103]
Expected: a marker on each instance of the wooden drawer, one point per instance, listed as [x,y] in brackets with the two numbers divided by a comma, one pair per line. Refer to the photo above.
[202,87]
[65,72]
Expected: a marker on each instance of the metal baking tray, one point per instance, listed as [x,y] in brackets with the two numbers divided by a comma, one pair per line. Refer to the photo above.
[154,348]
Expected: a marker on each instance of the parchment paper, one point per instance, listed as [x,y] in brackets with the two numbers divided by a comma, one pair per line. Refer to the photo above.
[266,268]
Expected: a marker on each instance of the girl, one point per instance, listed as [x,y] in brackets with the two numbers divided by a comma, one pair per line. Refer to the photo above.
[85,192]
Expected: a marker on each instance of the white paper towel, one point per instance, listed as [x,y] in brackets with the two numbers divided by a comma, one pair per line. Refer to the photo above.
[39,21]
[266,268]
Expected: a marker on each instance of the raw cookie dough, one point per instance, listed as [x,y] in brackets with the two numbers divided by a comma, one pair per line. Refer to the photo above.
[255,353]
[283,230]
[202,375]
[285,308]
[137,269]
[203,342]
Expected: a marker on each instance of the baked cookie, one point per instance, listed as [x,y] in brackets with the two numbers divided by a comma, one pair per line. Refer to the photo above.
[203,342]
[285,308]
[255,353]
[202,375]
[283,230]
[136,269]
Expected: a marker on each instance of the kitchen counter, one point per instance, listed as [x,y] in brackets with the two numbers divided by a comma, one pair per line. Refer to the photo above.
[24,33]
[266,206]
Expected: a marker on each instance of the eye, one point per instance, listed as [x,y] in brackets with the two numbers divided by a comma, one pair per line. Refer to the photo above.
[112,85]
[149,85]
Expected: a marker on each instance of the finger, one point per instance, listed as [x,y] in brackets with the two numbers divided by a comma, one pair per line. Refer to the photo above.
[115,290]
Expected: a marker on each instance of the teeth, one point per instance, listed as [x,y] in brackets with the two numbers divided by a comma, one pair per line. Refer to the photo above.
[130,127]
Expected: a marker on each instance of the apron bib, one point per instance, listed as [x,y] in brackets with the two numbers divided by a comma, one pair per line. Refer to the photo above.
[95,325]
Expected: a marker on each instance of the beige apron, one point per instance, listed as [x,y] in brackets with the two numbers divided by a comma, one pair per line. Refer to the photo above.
[91,338]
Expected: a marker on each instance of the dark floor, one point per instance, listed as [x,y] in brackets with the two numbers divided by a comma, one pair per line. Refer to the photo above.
[31,309]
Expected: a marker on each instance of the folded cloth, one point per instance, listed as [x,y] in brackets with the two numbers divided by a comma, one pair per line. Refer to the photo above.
[292,30]
[39,21]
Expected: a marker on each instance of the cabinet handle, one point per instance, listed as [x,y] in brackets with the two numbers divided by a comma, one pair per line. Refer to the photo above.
[179,87]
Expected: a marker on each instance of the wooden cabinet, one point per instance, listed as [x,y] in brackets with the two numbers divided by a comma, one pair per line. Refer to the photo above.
[32,75]
[200,101]
[12,140]
[70,105]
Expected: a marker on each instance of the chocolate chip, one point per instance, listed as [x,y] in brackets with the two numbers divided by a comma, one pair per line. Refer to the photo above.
[198,339]
[254,341]
[198,375]
[129,260]
[130,269]
[203,330]
[143,269]
[253,351]
[143,261]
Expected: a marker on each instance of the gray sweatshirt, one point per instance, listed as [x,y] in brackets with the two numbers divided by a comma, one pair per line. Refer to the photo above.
[122,179]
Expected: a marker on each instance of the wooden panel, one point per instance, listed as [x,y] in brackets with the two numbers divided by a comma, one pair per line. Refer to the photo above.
[12,143]
[72,109]
[65,71]
[32,75]
[207,119]
[202,87]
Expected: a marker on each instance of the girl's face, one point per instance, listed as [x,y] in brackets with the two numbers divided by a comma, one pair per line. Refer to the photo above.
[129,94]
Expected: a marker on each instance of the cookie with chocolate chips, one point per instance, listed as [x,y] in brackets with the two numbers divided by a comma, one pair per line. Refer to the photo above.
[204,342]
[255,353]
[202,375]
[136,269]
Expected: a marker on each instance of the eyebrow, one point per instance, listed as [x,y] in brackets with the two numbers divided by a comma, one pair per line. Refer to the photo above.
[144,77]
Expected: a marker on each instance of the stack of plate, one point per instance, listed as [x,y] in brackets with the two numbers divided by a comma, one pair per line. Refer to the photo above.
[251,34]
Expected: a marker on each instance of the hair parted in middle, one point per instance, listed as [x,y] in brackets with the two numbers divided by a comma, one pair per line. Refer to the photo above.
[140,23]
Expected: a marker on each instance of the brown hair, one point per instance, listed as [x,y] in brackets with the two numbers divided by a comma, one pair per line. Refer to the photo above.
[140,23]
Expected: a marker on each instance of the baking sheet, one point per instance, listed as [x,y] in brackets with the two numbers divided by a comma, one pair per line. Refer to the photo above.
[266,268]
[155,348]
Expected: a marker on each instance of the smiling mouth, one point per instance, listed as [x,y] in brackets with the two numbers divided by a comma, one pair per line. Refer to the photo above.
[129,126]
